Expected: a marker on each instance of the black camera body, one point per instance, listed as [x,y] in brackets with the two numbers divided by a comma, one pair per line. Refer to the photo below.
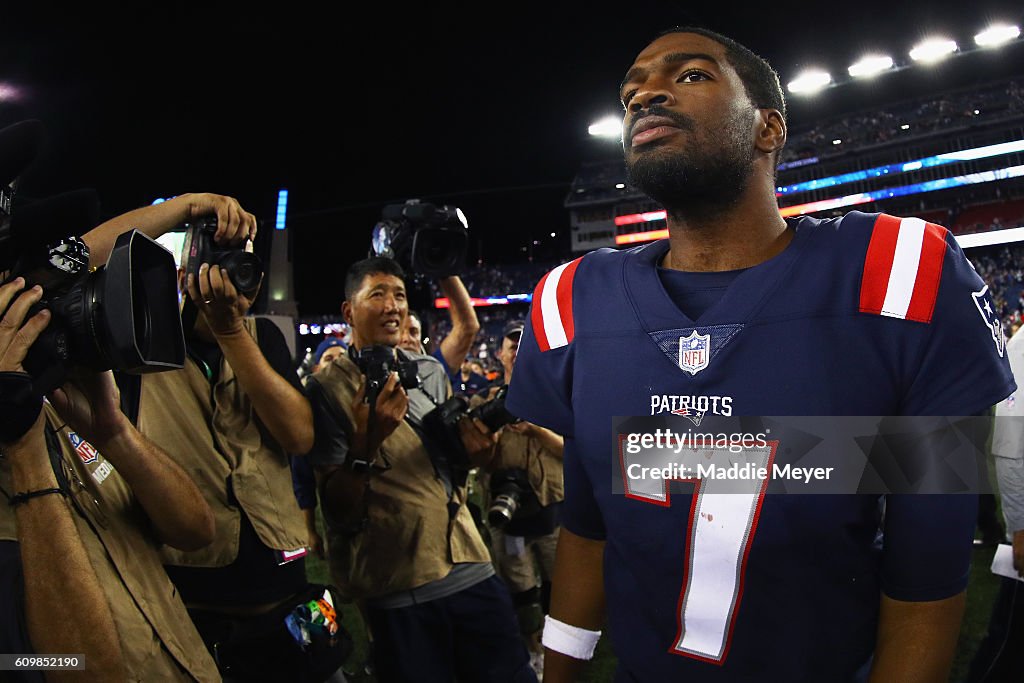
[377,362]
[244,269]
[123,316]
[493,413]
[425,239]
[442,423]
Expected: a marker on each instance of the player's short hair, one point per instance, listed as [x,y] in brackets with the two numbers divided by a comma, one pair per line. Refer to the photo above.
[358,271]
[759,79]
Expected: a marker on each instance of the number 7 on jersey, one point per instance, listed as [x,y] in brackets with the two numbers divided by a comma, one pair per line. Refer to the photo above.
[721,527]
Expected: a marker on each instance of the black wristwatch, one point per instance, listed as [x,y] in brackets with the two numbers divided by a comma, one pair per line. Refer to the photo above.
[359,466]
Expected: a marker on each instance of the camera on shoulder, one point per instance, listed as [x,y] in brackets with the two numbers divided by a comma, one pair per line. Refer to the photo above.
[121,316]
[425,239]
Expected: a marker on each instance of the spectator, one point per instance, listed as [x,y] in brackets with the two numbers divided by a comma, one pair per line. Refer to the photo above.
[329,349]
[471,379]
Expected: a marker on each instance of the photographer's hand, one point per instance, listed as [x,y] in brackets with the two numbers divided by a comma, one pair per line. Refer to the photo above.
[21,405]
[91,404]
[17,335]
[478,441]
[549,439]
[392,404]
[220,303]
[234,224]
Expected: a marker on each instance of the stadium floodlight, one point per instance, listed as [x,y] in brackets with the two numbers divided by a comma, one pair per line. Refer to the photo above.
[809,82]
[8,92]
[997,35]
[870,66]
[932,50]
[608,127]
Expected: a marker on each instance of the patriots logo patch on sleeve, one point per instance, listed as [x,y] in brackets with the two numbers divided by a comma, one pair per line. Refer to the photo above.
[983,302]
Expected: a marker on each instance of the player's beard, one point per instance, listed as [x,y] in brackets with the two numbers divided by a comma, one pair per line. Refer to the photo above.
[707,177]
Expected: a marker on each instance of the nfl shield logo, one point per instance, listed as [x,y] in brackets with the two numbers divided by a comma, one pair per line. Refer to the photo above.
[85,451]
[694,352]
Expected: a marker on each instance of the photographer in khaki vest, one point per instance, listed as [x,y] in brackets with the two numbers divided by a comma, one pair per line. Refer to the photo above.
[87,502]
[522,487]
[232,417]
[400,537]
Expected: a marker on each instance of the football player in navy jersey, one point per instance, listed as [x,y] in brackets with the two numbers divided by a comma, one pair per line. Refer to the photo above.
[741,312]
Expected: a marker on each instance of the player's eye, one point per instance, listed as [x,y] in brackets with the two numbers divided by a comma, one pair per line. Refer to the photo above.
[693,76]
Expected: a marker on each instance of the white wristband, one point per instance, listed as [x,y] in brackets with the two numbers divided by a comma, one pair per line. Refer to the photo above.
[578,643]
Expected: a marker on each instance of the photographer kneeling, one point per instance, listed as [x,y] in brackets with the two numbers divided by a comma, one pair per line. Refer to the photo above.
[401,539]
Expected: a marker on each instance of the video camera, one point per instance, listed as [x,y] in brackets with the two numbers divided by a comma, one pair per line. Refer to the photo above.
[122,316]
[442,423]
[425,239]
[244,269]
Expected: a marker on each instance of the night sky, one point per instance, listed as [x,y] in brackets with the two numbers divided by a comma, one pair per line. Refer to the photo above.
[484,106]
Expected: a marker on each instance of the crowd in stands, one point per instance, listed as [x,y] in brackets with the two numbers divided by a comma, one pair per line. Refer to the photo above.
[1001,268]
[504,279]
[911,119]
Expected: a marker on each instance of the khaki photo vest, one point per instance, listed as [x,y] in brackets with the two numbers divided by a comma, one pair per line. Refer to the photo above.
[214,434]
[411,539]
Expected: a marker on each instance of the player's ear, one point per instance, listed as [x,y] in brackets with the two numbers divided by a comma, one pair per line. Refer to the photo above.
[771,131]
[346,312]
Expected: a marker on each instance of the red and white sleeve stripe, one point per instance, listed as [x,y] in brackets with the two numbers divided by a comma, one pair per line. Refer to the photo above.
[551,316]
[902,268]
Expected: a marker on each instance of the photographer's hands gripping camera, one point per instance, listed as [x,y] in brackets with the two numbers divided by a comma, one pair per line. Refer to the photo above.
[21,403]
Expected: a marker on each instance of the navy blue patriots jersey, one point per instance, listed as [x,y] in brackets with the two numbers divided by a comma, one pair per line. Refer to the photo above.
[862,315]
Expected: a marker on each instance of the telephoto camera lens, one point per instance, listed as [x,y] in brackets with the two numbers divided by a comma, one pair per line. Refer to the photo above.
[503,509]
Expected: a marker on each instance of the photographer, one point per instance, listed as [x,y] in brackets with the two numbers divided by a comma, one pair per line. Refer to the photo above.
[526,472]
[231,417]
[401,540]
[89,500]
